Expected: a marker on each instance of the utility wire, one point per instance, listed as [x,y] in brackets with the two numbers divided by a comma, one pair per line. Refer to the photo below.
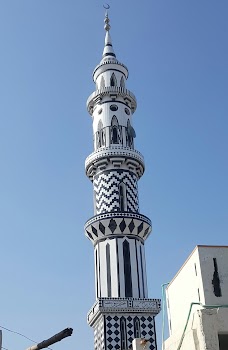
[22,335]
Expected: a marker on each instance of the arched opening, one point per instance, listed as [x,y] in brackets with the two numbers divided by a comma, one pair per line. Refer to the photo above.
[113,81]
[137,332]
[100,135]
[102,84]
[114,130]
[130,135]
[122,197]
[122,83]
[123,333]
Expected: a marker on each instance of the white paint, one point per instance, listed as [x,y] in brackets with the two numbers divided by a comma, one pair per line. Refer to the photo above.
[138,244]
[113,266]
[135,289]
[103,269]
[144,271]
[121,268]
[193,279]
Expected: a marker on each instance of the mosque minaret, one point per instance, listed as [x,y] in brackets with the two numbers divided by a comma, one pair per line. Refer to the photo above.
[117,230]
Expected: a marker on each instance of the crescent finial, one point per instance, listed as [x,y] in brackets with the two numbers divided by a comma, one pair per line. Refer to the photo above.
[106,6]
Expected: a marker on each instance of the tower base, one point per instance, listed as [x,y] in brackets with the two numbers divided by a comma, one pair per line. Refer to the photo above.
[117,321]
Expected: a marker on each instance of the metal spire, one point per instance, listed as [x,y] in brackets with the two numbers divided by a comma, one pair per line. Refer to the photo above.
[108,49]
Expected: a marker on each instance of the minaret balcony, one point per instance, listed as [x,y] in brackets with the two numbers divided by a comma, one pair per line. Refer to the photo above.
[117,157]
[113,92]
[111,224]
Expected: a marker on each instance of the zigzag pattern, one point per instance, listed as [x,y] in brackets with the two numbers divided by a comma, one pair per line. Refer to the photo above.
[106,189]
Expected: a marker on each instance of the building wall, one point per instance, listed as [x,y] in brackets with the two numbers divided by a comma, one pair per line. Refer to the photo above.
[203,280]
[202,332]
[185,288]
[214,281]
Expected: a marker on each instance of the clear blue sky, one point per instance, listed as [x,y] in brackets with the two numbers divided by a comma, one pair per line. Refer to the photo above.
[177,55]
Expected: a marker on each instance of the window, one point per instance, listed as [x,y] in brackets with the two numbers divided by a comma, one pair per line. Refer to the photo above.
[123,334]
[113,81]
[216,280]
[100,111]
[113,108]
[127,111]
[127,269]
[137,332]
[129,139]
[100,135]
[102,83]
[122,196]
[114,130]
[122,83]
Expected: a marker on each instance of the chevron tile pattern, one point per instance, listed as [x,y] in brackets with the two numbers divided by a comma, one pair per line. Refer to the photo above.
[106,189]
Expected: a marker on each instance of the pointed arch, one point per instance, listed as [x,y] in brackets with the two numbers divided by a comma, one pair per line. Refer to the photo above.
[137,332]
[122,83]
[102,84]
[123,333]
[114,121]
[113,80]
[100,125]
[100,134]
[127,269]
[122,197]
[128,135]
[114,128]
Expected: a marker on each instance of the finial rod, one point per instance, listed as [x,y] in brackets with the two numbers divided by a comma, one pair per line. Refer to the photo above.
[106,20]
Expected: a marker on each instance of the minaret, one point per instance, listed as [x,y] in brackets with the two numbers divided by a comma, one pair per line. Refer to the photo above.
[117,230]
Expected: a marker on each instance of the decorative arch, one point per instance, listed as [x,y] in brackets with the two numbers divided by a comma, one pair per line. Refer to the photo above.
[129,139]
[102,84]
[114,130]
[123,333]
[137,332]
[127,269]
[122,82]
[113,80]
[122,197]
[100,135]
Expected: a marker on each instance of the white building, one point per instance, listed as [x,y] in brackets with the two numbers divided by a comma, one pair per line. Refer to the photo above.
[117,230]
[197,302]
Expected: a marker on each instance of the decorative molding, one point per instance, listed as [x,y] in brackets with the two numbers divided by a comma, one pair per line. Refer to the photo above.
[102,158]
[128,305]
[117,223]
[97,96]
